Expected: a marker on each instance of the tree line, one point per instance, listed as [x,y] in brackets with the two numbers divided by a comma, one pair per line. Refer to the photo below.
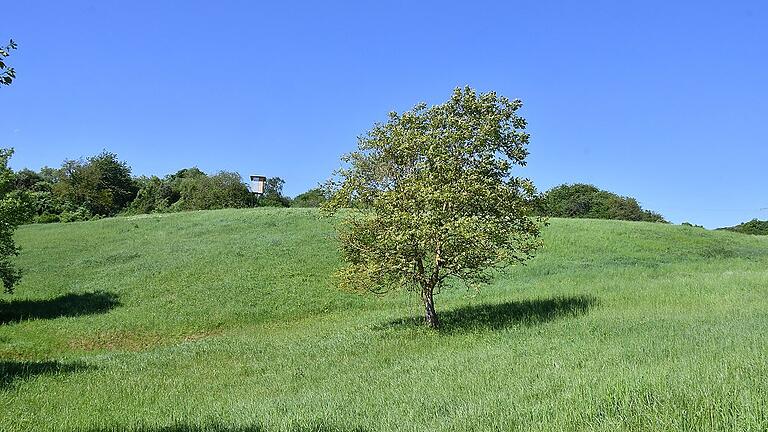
[103,186]
[754,227]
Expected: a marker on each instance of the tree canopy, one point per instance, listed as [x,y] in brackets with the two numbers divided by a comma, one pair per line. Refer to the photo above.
[587,201]
[102,184]
[273,194]
[198,191]
[431,197]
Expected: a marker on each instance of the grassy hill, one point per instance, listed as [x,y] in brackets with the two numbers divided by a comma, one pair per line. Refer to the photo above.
[228,320]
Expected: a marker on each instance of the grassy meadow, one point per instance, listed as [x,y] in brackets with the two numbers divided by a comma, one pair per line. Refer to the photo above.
[229,321]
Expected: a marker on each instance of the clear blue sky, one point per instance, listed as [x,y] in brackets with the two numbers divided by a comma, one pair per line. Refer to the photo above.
[665,101]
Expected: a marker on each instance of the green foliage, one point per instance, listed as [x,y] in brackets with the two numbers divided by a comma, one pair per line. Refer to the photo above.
[30,181]
[311,198]
[15,209]
[46,205]
[198,191]
[47,218]
[190,189]
[273,194]
[613,326]
[102,185]
[587,201]
[79,214]
[7,73]
[155,195]
[688,224]
[432,198]
[754,227]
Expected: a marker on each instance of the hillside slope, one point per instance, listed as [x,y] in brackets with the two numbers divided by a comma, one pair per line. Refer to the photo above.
[228,320]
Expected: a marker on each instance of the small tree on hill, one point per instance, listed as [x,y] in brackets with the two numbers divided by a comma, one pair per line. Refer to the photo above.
[432,197]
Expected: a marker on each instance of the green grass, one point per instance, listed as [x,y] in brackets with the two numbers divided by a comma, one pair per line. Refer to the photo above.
[229,321]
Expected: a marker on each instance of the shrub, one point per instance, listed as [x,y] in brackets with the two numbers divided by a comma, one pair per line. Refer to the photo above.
[311,198]
[688,224]
[78,215]
[47,218]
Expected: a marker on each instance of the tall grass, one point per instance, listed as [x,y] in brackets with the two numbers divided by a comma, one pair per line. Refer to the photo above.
[228,321]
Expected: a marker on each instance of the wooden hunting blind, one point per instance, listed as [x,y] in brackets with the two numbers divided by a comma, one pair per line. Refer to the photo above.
[257,184]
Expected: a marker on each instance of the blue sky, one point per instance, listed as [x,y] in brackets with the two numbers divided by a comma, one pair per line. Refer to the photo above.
[663,101]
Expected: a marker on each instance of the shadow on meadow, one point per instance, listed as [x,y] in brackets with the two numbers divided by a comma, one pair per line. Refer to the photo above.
[68,305]
[219,427]
[12,370]
[503,315]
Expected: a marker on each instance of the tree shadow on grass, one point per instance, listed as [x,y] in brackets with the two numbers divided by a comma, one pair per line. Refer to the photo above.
[499,316]
[69,305]
[11,370]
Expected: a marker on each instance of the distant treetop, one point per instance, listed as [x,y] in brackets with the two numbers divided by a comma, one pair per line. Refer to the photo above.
[587,201]
[755,227]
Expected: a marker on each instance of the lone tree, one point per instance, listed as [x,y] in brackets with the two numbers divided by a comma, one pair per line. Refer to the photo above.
[430,197]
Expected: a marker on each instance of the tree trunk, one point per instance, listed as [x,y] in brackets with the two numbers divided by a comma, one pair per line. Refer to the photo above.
[429,306]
